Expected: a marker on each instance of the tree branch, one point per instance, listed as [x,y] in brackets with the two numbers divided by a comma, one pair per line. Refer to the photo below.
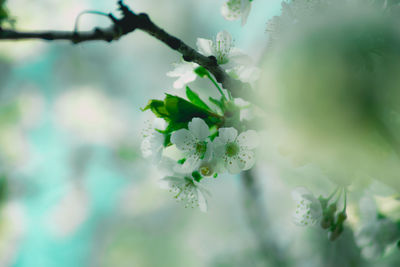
[129,22]
[256,216]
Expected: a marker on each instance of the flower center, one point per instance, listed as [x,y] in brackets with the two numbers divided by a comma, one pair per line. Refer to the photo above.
[201,148]
[232,149]
[206,170]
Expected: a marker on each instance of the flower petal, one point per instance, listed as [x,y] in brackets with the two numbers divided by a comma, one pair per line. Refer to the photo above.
[202,201]
[204,46]
[247,158]
[248,139]
[218,147]
[191,163]
[199,129]
[185,73]
[230,10]
[245,10]
[238,57]
[233,165]
[184,140]
[227,134]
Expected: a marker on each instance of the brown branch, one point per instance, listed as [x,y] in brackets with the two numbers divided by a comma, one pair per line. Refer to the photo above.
[129,22]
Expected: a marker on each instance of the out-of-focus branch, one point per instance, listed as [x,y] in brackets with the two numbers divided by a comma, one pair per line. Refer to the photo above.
[129,22]
[257,219]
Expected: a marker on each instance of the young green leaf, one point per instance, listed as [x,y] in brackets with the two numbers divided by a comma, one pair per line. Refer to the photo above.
[195,99]
[201,72]
[158,108]
[181,110]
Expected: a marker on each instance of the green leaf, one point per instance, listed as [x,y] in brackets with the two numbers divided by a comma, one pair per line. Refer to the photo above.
[195,99]
[201,72]
[181,110]
[158,108]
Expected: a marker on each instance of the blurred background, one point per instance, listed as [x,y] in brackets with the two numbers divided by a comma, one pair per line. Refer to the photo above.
[79,192]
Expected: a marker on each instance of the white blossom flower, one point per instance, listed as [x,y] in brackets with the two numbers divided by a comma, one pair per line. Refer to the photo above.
[377,232]
[153,142]
[235,9]
[227,55]
[235,151]
[184,71]
[308,208]
[187,191]
[376,235]
[193,143]
[246,74]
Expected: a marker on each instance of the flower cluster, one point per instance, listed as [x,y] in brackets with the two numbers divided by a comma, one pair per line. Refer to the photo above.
[208,138]
[311,211]
[232,59]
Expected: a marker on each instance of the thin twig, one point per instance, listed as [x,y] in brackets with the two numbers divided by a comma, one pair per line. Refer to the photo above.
[129,22]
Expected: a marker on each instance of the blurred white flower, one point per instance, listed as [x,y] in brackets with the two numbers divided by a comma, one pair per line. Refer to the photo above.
[184,71]
[193,143]
[245,73]
[12,230]
[376,232]
[236,151]
[91,116]
[153,141]
[72,210]
[376,235]
[227,55]
[308,208]
[187,191]
[235,9]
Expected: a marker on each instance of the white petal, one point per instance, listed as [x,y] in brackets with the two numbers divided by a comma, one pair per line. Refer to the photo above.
[238,57]
[184,140]
[245,10]
[218,147]
[204,46]
[199,129]
[146,147]
[230,10]
[227,135]
[171,180]
[233,165]
[167,165]
[191,163]
[248,74]
[247,158]
[248,139]
[185,73]
[202,201]
[209,152]
[299,192]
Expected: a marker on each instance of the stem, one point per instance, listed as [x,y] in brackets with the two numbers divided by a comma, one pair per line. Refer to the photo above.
[332,194]
[345,200]
[256,215]
[216,85]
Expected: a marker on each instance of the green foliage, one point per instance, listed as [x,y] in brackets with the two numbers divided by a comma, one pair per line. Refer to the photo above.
[3,188]
[178,112]
[201,72]
[4,14]
[195,99]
